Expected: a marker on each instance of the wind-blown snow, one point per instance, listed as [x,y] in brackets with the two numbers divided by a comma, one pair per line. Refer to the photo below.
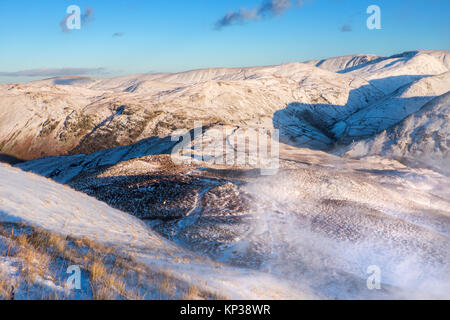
[40,202]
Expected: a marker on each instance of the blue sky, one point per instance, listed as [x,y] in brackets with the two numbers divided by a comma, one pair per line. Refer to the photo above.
[170,36]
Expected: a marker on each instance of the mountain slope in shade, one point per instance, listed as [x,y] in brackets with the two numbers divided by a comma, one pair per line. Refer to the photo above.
[422,139]
[313,107]
[391,109]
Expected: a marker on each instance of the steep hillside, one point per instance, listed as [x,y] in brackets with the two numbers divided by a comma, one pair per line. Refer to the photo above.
[46,227]
[340,64]
[311,106]
[317,224]
[422,139]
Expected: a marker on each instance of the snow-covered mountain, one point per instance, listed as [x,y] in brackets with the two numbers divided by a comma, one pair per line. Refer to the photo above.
[362,179]
[392,108]
[170,271]
[312,106]
[42,119]
[339,64]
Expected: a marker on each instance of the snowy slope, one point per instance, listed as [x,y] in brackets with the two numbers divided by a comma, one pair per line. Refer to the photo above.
[41,119]
[391,109]
[423,138]
[38,202]
[317,224]
[311,104]
[389,74]
[309,231]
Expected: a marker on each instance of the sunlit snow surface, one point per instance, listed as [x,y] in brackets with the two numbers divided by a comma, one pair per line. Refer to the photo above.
[40,202]
[324,229]
[311,231]
[316,226]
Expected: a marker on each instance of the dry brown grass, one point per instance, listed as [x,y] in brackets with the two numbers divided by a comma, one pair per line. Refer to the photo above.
[193,293]
[37,251]
[111,274]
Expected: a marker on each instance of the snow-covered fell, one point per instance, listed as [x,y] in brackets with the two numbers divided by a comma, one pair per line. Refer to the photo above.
[218,230]
[340,64]
[311,104]
[423,138]
[318,224]
[38,202]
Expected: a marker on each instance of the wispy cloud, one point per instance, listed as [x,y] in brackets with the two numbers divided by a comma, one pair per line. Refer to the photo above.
[346,28]
[44,72]
[86,17]
[267,9]
[118,34]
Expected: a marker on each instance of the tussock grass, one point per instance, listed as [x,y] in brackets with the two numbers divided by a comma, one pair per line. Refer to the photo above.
[39,252]
[6,287]
[40,256]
